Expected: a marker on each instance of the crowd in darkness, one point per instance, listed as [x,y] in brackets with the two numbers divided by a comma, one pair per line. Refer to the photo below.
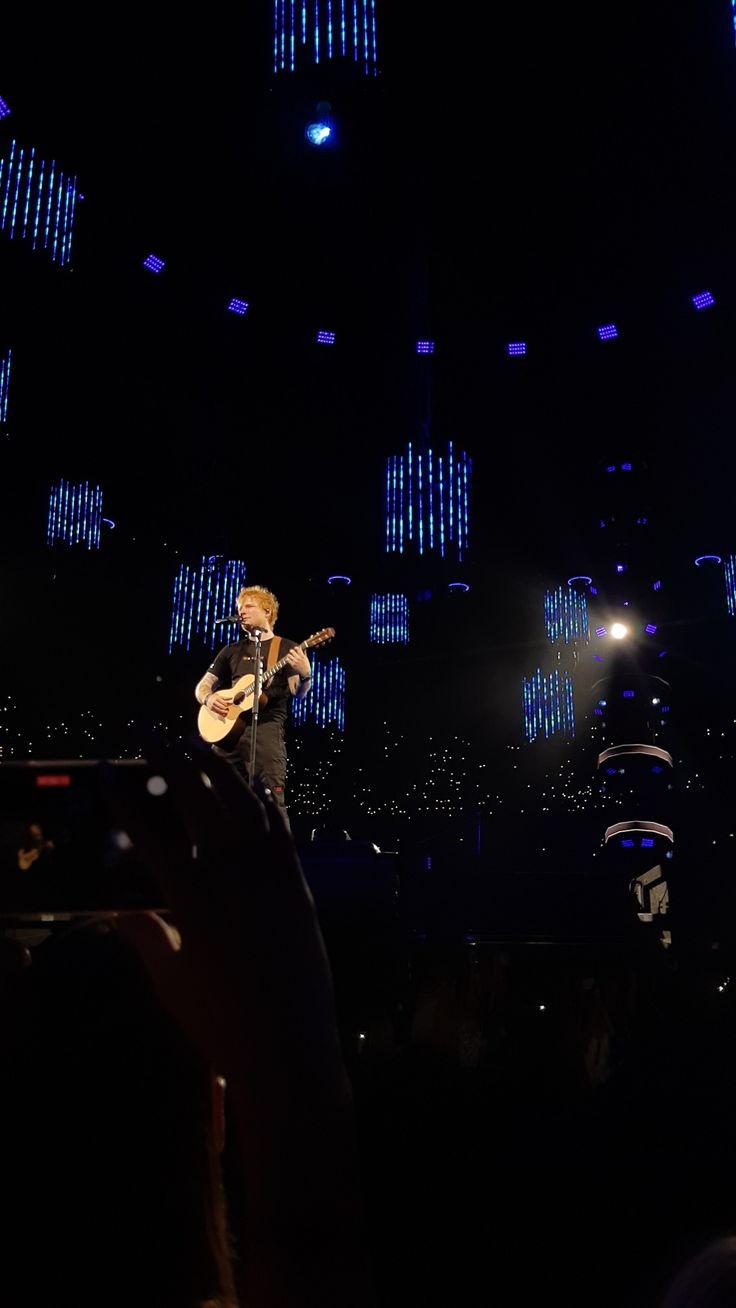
[462,1116]
[555,1117]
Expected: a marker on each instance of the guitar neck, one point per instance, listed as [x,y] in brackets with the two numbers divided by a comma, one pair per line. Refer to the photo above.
[271,672]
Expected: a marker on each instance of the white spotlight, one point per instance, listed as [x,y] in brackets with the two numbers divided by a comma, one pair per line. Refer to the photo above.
[319,131]
[618,631]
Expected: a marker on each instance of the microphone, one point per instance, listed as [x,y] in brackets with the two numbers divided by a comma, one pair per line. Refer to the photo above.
[234,617]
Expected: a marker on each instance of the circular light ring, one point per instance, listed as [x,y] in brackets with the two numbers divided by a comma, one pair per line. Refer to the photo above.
[708,558]
[639,824]
[623,751]
[458,585]
[337,576]
[587,581]
[641,677]
[108,522]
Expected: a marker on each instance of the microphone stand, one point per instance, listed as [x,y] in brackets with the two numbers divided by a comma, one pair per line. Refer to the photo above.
[255,636]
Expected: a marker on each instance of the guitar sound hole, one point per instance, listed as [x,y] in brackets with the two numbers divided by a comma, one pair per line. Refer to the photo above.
[238,699]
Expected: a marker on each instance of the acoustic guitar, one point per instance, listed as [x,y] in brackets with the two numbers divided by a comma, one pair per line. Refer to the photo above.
[213,728]
[27,857]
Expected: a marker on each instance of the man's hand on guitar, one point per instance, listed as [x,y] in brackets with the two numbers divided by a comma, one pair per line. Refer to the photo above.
[217,704]
[298,661]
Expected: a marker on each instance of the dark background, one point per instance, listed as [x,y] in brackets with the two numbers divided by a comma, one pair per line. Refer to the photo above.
[524,175]
[516,172]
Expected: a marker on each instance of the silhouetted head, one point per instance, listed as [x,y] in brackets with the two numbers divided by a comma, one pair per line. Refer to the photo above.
[109,1138]
[708,1280]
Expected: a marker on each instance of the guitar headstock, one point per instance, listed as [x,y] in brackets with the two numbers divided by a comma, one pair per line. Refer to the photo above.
[320,637]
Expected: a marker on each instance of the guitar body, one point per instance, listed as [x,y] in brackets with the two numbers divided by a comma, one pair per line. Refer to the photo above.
[27,857]
[215,729]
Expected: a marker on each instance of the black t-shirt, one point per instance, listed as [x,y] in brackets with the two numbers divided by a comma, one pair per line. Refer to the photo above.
[236,661]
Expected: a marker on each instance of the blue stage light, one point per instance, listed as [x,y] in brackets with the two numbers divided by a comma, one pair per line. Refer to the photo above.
[318,132]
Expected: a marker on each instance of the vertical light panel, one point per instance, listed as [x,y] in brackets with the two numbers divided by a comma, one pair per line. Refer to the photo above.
[389,620]
[319,31]
[74,514]
[548,705]
[428,502]
[566,616]
[37,202]
[729,572]
[5,385]
[391,505]
[202,594]
[325,703]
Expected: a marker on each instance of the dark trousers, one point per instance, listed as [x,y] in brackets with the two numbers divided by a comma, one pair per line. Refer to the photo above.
[270,764]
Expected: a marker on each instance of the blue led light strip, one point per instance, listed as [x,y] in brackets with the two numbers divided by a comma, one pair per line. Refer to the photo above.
[401,506]
[548,704]
[57,214]
[8,179]
[467,470]
[16,192]
[200,596]
[39,193]
[328,31]
[325,703]
[421,507]
[389,621]
[28,187]
[74,514]
[410,519]
[729,573]
[389,482]
[49,194]
[394,482]
[460,522]
[5,385]
[566,616]
[428,502]
[442,501]
[451,492]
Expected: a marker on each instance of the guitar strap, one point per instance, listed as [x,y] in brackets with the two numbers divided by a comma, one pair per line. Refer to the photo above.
[273,652]
[271,658]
